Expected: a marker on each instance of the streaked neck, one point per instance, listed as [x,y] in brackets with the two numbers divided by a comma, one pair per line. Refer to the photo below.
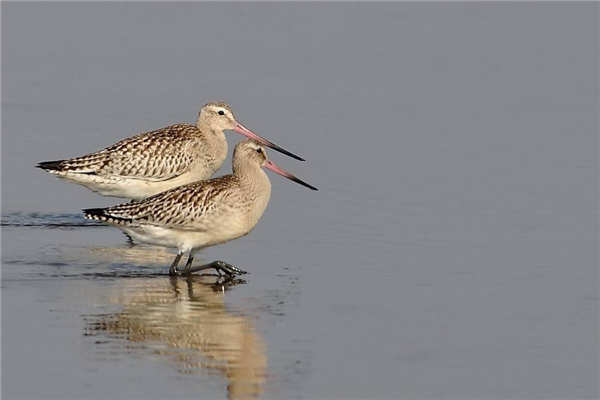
[215,140]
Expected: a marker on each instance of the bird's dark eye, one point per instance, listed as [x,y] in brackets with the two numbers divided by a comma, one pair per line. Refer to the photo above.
[259,151]
[221,112]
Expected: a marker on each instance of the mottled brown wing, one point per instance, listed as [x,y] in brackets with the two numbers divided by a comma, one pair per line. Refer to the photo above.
[156,155]
[190,205]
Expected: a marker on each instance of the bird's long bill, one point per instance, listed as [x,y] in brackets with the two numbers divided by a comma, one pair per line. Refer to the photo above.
[273,167]
[242,130]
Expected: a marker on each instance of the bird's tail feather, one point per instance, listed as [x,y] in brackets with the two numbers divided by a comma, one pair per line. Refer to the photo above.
[100,214]
[57,165]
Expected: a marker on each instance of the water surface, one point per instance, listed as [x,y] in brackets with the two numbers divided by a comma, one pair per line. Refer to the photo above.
[451,251]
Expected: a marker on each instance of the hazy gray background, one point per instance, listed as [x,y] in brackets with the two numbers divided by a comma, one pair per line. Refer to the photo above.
[451,252]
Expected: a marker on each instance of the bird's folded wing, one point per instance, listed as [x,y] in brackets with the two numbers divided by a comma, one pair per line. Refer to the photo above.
[191,206]
[158,155]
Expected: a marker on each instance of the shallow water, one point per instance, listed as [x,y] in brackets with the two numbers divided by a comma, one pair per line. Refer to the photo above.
[451,251]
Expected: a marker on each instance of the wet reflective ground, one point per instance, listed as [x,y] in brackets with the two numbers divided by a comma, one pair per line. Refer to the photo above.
[114,309]
[451,251]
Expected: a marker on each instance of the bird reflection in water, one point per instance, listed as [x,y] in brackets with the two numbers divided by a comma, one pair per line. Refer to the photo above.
[185,321]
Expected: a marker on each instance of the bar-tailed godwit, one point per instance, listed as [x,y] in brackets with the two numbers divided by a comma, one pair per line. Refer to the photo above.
[201,214]
[152,162]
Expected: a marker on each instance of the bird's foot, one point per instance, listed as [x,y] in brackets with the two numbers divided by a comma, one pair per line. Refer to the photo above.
[230,270]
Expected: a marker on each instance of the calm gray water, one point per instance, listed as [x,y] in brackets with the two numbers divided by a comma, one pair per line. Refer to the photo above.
[451,252]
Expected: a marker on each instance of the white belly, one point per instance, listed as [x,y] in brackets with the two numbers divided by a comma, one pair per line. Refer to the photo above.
[184,239]
[174,238]
[133,188]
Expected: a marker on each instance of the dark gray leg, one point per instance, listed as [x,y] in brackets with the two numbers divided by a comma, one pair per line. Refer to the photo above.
[173,270]
[229,269]
[188,265]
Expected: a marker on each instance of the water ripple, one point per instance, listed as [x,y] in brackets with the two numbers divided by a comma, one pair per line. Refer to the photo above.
[51,221]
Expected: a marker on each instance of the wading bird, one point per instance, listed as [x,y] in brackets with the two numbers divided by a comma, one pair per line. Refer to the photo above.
[201,214]
[152,162]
